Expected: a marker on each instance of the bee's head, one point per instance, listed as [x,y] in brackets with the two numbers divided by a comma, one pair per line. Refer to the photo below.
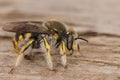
[70,39]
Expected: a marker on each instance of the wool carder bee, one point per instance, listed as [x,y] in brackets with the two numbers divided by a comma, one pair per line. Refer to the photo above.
[31,33]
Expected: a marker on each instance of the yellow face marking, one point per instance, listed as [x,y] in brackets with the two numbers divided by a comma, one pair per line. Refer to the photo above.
[73,47]
[20,38]
[27,35]
[63,47]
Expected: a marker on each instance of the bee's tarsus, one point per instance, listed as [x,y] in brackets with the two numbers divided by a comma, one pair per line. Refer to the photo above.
[11,71]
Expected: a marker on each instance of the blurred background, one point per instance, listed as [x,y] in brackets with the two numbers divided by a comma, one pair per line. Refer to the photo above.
[84,15]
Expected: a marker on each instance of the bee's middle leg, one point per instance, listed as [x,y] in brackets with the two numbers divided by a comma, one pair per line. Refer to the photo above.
[48,55]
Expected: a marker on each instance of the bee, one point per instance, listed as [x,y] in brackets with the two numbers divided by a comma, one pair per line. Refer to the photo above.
[32,33]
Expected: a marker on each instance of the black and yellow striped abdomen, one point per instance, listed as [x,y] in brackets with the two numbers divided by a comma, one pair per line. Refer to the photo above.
[22,38]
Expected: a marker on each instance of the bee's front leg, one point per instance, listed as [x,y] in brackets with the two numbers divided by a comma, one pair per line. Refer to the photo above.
[77,48]
[63,54]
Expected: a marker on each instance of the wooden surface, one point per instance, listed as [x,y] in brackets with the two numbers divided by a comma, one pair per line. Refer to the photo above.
[97,21]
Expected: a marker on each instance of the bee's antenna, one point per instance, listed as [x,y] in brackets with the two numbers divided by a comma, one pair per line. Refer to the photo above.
[81,39]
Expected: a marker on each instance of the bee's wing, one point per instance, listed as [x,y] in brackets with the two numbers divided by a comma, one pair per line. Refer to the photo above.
[26,26]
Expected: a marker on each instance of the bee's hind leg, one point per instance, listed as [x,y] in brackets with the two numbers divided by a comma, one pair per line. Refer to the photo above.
[18,60]
[21,55]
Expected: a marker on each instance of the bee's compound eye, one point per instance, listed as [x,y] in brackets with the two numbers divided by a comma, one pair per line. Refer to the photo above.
[69,42]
